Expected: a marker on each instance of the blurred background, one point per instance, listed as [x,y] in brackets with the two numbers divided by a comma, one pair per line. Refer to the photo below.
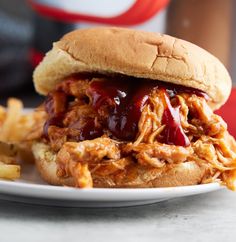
[28,28]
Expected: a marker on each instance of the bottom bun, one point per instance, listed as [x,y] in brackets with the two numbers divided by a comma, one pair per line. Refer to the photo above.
[183,174]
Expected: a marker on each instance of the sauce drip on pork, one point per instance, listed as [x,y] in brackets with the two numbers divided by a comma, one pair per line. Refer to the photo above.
[122,99]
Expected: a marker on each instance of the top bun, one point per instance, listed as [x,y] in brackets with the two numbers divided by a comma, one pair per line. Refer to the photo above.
[134,53]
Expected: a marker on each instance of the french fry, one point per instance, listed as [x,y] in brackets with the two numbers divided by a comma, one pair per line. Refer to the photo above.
[8,149]
[10,172]
[17,130]
[13,115]
[7,159]
[2,114]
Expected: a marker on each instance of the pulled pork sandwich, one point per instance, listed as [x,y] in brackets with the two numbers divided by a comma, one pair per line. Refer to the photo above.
[126,108]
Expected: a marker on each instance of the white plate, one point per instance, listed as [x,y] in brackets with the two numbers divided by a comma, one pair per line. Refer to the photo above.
[31,189]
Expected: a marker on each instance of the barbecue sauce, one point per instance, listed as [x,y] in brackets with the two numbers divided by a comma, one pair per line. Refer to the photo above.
[173,132]
[125,100]
[55,105]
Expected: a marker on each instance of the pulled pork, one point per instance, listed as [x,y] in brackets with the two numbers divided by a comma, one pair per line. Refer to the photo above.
[86,148]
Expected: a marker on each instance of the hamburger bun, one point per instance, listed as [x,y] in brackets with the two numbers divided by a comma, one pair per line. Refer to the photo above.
[134,53]
[183,174]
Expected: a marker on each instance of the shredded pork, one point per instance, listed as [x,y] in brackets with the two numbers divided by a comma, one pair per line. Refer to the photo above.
[210,143]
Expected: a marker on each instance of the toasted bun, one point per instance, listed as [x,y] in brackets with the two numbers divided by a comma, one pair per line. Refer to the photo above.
[188,173]
[134,53]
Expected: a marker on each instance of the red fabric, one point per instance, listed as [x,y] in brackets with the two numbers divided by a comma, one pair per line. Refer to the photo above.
[228,112]
[35,57]
[138,13]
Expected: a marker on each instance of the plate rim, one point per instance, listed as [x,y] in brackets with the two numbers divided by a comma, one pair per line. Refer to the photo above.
[19,188]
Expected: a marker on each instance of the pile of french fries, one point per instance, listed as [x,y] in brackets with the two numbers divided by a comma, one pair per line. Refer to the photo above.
[16,127]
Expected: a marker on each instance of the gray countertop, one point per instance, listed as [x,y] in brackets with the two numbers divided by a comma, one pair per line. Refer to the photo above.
[206,217]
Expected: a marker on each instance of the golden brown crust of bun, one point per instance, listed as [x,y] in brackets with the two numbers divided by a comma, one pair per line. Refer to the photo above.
[134,53]
[188,173]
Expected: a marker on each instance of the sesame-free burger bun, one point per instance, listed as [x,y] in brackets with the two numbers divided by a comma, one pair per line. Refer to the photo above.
[134,53]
